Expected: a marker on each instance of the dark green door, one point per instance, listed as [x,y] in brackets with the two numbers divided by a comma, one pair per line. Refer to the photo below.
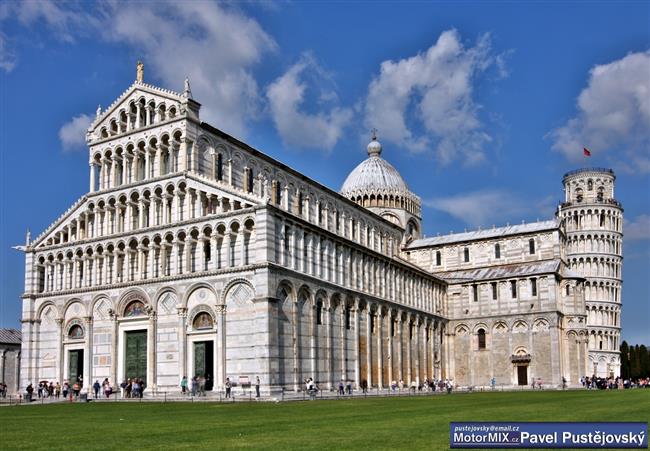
[75,365]
[136,355]
[204,361]
[199,358]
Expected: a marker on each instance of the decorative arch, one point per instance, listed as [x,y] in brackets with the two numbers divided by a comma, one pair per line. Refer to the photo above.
[202,317]
[462,330]
[134,294]
[74,308]
[233,284]
[520,326]
[199,293]
[75,330]
[101,307]
[46,304]
[167,301]
[500,327]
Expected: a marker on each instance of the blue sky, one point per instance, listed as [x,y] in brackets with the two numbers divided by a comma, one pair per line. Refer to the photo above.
[482,106]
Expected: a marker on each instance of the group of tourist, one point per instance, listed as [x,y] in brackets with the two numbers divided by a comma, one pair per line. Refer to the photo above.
[3,390]
[105,387]
[48,389]
[196,386]
[611,383]
[133,387]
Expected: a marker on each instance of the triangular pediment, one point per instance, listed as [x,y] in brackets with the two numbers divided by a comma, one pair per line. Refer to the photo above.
[122,115]
[52,234]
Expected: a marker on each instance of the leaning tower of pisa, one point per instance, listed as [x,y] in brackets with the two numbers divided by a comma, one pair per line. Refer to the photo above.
[593,221]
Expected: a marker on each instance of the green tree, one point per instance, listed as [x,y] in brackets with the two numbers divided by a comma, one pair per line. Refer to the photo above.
[625,360]
[644,361]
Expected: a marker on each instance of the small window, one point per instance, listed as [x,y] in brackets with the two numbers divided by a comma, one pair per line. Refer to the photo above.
[533,287]
[249,180]
[319,312]
[497,250]
[438,258]
[578,195]
[76,332]
[481,338]
[372,324]
[495,292]
[466,255]
[513,288]
[600,194]
[475,290]
[568,288]
[531,246]
[590,185]
[278,193]
[602,219]
[219,167]
[347,318]
[392,328]
[203,321]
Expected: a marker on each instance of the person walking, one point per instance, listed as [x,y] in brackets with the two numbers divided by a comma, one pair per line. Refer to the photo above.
[195,386]
[184,385]
[341,388]
[96,388]
[228,387]
[257,387]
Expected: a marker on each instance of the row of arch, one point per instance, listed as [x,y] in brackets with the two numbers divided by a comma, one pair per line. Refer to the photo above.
[604,340]
[335,261]
[606,243]
[603,316]
[331,335]
[138,209]
[171,253]
[596,219]
[140,112]
[405,201]
[602,291]
[597,267]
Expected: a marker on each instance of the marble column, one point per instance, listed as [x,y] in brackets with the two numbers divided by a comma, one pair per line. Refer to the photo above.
[182,340]
[369,344]
[88,357]
[151,352]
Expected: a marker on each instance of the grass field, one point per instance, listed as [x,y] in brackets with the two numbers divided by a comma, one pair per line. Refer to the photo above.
[368,424]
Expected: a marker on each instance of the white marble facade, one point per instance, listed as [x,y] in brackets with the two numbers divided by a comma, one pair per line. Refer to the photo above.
[224,261]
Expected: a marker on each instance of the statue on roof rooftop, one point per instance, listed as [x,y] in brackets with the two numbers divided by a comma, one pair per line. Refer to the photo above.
[139,73]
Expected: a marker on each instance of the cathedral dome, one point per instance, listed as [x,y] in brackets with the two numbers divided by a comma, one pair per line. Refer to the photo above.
[374,175]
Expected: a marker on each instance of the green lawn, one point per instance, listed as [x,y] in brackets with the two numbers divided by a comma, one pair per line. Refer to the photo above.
[369,424]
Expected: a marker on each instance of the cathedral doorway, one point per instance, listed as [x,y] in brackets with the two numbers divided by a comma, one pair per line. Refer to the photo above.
[522,375]
[135,361]
[204,362]
[75,365]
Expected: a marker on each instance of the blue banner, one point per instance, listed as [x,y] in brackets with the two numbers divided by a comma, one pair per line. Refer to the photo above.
[548,435]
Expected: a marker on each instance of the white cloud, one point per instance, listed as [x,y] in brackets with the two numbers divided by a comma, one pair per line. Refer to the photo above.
[64,18]
[215,46]
[73,134]
[7,57]
[438,86]
[637,229]
[613,114]
[480,207]
[286,96]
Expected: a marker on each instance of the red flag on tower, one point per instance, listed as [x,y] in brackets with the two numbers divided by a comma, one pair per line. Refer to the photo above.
[586,152]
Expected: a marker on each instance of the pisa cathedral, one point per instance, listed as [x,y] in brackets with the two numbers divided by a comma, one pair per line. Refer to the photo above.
[195,254]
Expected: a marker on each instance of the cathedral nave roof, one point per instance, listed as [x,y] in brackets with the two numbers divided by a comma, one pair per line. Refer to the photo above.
[503,271]
[475,235]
